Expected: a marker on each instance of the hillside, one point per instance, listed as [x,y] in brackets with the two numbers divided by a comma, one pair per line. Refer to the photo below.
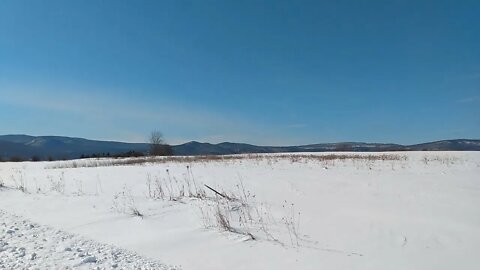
[58,147]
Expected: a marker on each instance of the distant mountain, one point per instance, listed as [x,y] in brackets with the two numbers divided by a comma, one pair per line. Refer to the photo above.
[25,147]
[446,145]
[196,148]
[58,147]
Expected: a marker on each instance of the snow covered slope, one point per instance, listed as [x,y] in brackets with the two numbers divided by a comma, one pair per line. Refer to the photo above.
[412,210]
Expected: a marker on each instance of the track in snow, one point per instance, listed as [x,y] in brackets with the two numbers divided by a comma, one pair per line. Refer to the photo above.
[26,245]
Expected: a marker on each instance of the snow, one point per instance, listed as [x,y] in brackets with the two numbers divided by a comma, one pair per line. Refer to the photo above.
[418,212]
[26,245]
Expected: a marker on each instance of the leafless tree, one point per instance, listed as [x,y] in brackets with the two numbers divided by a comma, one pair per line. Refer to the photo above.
[158,147]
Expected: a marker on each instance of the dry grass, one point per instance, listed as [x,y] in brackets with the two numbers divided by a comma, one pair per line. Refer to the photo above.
[19,181]
[124,203]
[234,211]
[270,158]
[444,160]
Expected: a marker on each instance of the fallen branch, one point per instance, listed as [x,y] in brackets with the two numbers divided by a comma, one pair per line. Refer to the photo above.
[218,193]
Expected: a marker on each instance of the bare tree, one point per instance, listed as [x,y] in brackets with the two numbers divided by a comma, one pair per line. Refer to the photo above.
[158,147]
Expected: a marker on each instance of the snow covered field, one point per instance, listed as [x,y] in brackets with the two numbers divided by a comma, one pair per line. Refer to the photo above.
[405,210]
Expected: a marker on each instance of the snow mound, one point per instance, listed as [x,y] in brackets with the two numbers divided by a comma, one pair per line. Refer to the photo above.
[26,245]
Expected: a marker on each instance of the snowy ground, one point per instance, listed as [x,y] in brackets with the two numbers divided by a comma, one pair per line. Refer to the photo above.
[26,245]
[421,211]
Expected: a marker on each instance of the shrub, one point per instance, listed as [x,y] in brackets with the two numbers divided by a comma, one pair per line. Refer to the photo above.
[16,159]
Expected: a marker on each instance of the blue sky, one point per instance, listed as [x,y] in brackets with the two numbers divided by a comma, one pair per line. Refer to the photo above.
[263,72]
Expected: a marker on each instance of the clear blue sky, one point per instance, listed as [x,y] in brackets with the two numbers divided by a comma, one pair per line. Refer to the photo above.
[263,72]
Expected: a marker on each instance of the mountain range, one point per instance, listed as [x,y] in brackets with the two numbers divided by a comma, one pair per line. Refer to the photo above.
[58,147]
